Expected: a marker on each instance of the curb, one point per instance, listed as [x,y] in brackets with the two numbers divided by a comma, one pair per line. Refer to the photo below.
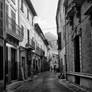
[71,86]
[13,86]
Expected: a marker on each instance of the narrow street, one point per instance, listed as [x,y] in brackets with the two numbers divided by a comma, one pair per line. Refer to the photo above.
[45,82]
[45,45]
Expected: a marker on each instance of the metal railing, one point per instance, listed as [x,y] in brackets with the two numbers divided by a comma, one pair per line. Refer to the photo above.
[13,29]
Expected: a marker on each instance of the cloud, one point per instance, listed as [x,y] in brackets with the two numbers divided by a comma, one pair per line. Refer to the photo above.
[46,25]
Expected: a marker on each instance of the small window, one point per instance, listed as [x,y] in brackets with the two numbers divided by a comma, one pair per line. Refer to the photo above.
[13,20]
[22,6]
[6,12]
[27,13]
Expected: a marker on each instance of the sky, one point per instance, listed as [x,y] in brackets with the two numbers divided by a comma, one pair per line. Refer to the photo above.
[46,11]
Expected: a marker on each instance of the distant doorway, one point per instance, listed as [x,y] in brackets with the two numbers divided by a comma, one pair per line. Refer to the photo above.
[1,63]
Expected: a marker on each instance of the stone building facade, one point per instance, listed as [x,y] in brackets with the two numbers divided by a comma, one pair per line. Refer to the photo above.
[60,20]
[34,45]
[18,41]
[13,37]
[27,45]
[41,50]
[78,41]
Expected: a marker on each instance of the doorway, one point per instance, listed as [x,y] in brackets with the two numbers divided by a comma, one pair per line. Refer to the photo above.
[13,64]
[77,54]
[1,63]
[77,58]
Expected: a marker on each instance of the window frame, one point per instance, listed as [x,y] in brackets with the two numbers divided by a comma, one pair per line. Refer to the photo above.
[28,13]
[22,8]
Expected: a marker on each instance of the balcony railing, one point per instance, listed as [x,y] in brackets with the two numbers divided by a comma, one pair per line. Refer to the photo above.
[39,51]
[30,44]
[13,29]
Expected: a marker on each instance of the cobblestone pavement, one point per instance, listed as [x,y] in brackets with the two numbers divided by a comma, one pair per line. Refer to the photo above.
[45,82]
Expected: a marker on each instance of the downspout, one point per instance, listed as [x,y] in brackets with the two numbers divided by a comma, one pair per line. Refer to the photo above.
[65,50]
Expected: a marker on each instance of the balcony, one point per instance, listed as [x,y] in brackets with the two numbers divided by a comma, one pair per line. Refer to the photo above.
[30,44]
[13,29]
[39,51]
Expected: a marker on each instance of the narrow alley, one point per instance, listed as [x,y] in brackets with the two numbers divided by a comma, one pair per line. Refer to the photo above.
[45,45]
[45,82]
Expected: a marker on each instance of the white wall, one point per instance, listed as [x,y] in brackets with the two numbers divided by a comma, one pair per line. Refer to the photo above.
[27,24]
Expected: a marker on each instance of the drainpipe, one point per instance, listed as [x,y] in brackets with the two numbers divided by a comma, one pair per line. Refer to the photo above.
[65,51]
[18,1]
